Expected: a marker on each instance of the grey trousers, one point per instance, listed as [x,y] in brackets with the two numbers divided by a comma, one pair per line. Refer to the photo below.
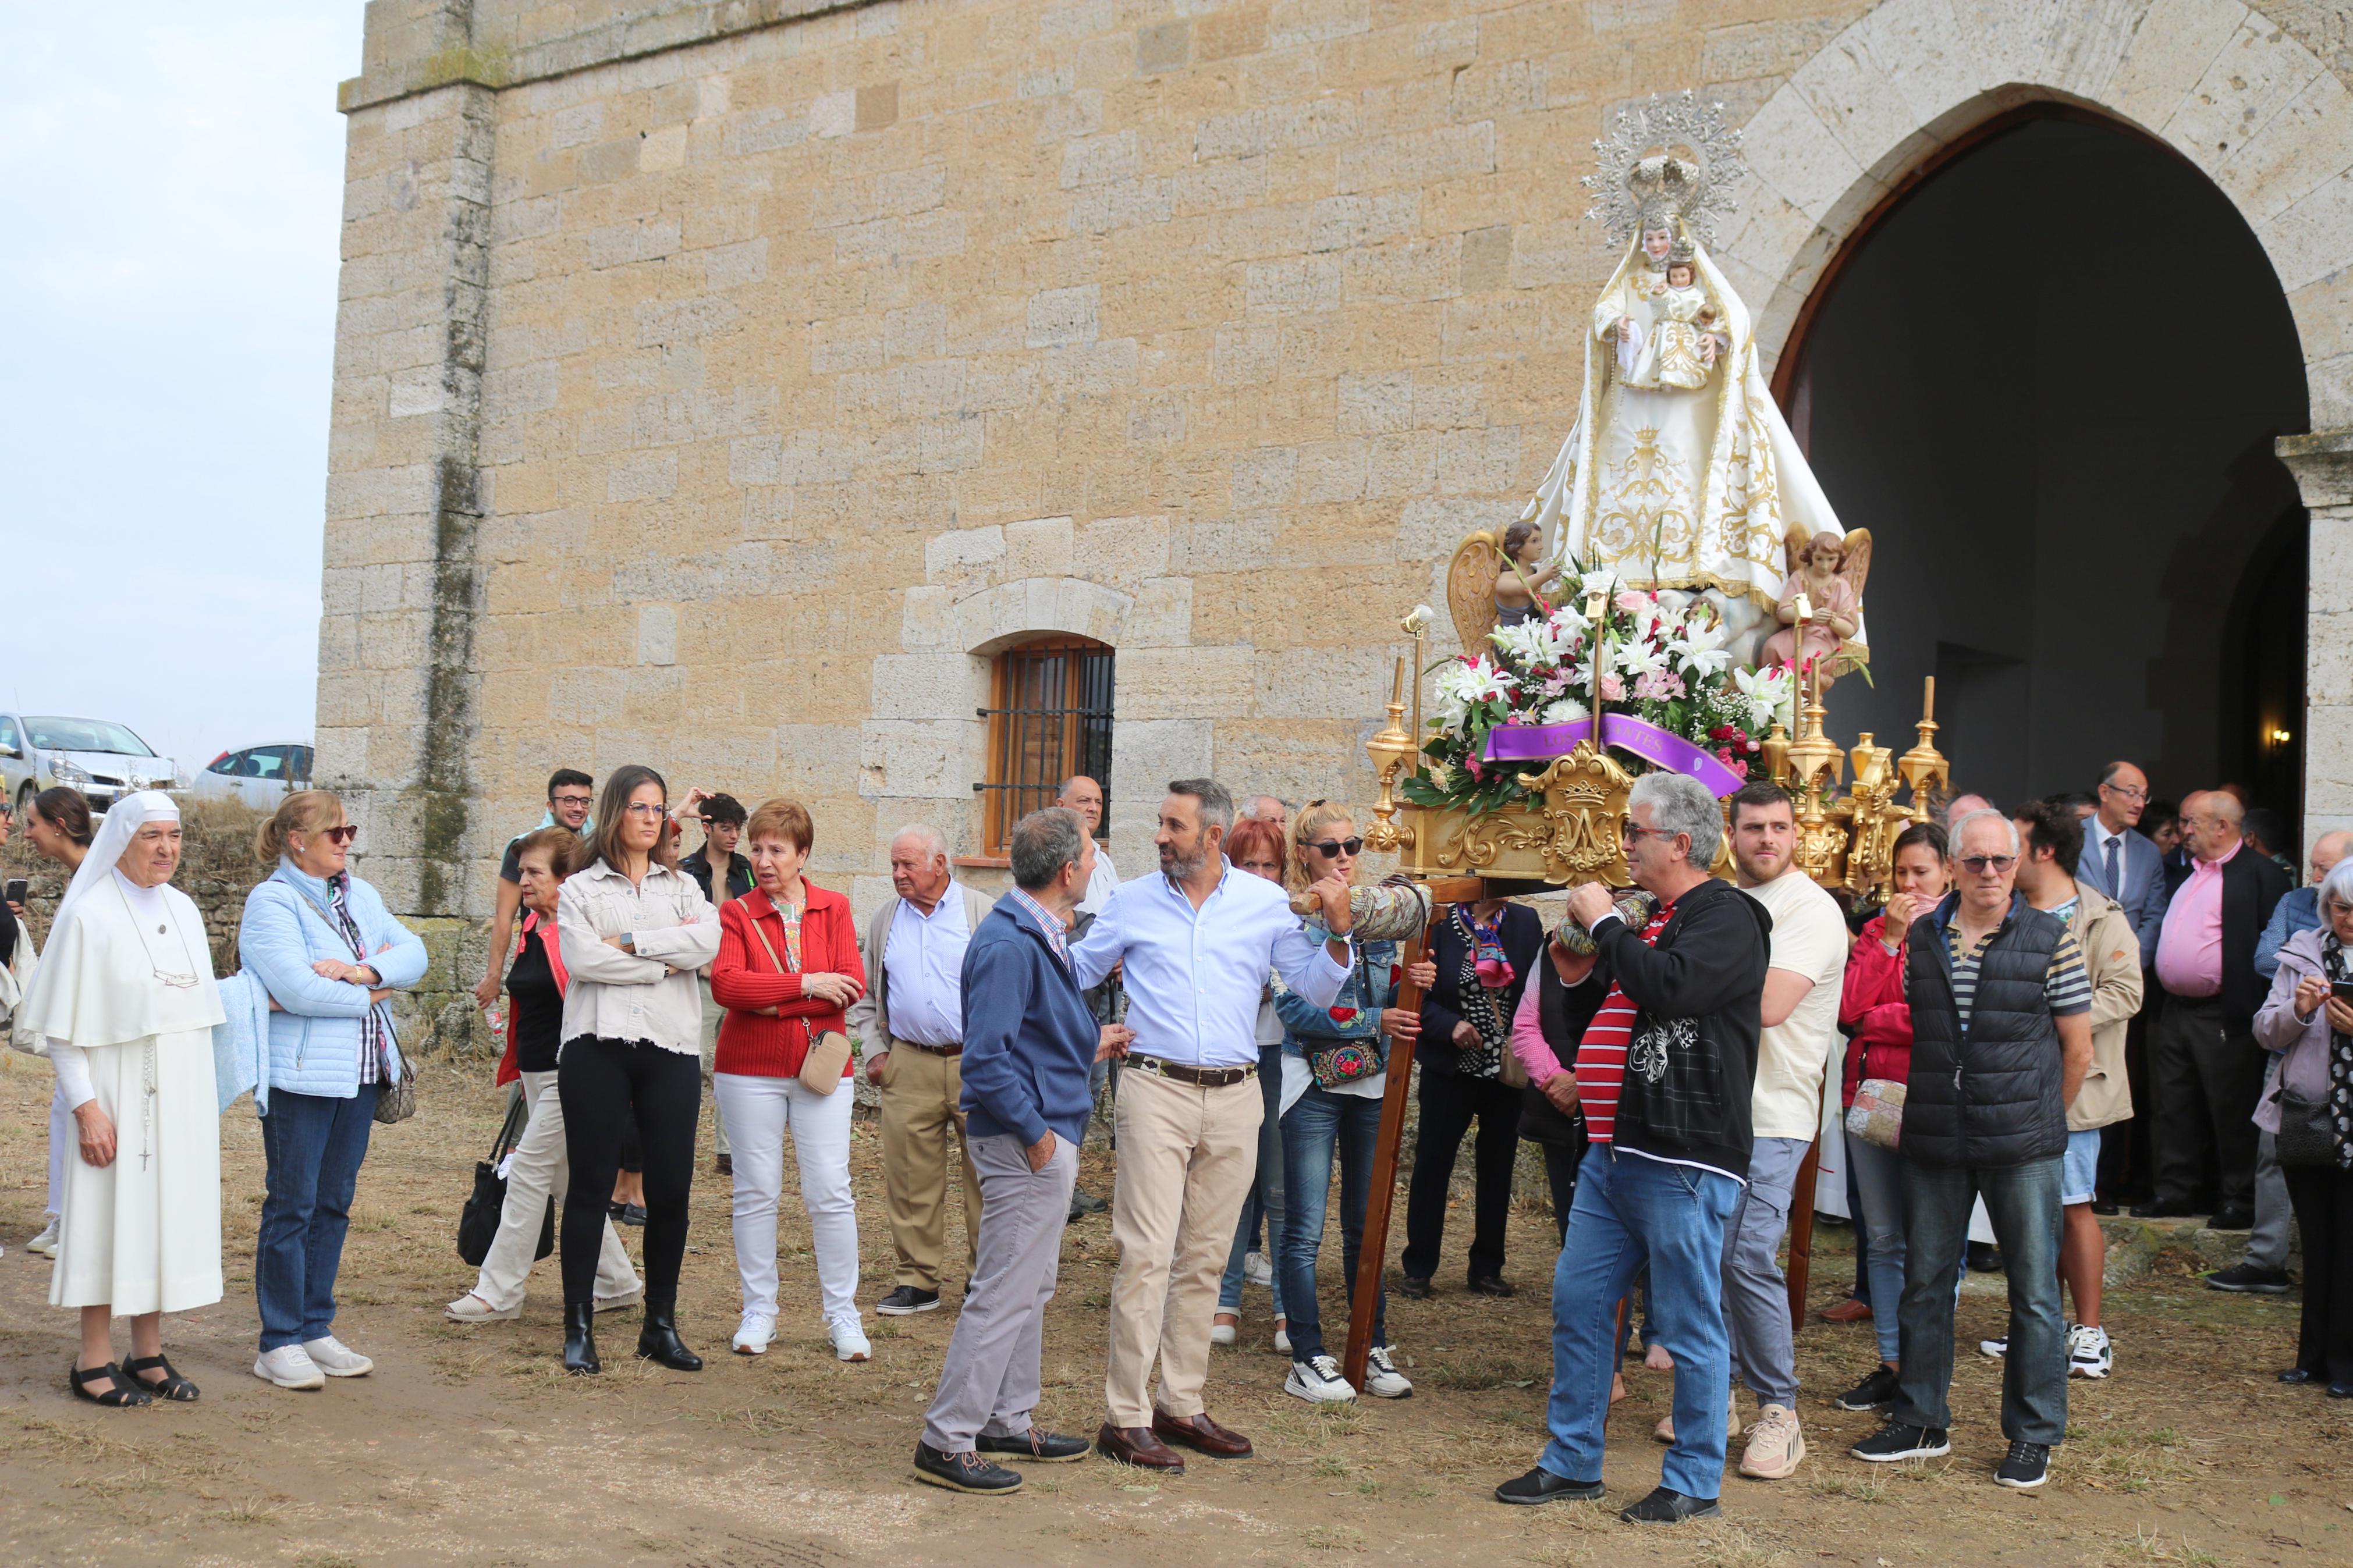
[2267,1244]
[1755,1293]
[989,1381]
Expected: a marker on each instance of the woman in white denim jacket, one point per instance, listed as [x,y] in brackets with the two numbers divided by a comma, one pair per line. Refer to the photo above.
[634,930]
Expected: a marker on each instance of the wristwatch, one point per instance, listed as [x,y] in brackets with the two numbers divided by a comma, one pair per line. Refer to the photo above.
[629,943]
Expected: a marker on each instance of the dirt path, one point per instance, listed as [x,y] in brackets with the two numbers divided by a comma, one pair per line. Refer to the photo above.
[469,1446]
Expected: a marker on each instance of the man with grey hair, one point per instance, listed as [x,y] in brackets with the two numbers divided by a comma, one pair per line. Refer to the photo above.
[1665,1071]
[910,1024]
[1271,808]
[1028,1041]
[2205,1070]
[2002,1037]
[1197,943]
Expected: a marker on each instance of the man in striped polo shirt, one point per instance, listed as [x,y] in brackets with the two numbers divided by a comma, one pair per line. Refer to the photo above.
[2002,1037]
[1665,1072]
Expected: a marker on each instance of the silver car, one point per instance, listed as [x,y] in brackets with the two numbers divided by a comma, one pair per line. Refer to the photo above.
[102,759]
[260,776]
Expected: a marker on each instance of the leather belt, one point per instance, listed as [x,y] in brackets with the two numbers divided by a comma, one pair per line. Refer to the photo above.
[954,1050]
[1198,1078]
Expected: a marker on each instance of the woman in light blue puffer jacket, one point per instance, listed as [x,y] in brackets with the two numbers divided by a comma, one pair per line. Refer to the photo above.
[319,940]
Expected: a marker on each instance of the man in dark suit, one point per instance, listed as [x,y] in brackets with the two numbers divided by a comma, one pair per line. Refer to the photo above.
[2205,1068]
[2124,863]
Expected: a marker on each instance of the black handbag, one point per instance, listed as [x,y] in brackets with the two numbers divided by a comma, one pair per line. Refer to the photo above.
[478,1225]
[2305,1138]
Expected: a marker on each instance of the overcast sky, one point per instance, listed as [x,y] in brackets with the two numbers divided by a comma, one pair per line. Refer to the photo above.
[170,185]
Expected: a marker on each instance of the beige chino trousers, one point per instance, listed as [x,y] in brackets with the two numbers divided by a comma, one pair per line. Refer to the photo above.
[1185,1159]
[921,1098]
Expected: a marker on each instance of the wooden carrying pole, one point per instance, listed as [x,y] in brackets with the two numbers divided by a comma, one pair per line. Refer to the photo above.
[1802,1236]
[1374,1251]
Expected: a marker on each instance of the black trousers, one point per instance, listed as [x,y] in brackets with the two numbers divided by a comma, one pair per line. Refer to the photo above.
[2204,1080]
[2323,1199]
[1450,1101]
[607,1087]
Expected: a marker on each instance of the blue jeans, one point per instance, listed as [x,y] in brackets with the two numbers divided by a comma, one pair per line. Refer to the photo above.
[1631,1211]
[1265,1199]
[1314,1130]
[312,1145]
[2023,1204]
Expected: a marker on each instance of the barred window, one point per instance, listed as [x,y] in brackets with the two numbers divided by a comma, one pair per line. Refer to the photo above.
[1050,717]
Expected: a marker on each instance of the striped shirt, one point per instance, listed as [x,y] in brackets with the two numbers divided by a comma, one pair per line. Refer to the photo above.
[1047,923]
[371,1025]
[1601,1054]
[2066,987]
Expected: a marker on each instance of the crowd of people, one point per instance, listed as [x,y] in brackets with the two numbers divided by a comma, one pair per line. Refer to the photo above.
[2053,1013]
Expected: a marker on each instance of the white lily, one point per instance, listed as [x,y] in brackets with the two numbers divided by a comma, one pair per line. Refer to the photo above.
[1593,583]
[1484,682]
[1766,691]
[1636,657]
[1700,650]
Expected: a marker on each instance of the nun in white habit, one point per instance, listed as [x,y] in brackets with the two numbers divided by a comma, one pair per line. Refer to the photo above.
[124,1005]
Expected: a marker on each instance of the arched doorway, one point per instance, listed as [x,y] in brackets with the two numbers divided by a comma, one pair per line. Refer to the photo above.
[2048,372]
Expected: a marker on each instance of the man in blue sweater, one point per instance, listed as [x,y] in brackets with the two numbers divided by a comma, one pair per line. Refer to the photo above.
[1030,1044]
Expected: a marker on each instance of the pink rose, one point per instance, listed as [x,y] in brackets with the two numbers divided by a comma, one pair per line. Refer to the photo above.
[1612,689]
[1633,604]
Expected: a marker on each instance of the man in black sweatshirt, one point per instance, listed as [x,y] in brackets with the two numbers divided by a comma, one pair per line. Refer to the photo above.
[1665,1072]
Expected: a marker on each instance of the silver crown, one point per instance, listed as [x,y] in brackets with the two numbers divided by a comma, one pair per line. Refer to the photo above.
[1668,163]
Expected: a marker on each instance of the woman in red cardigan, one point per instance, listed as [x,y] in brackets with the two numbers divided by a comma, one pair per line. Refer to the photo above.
[787,965]
[1872,1006]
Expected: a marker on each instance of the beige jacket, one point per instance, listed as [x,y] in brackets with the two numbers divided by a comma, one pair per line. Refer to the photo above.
[616,995]
[870,1016]
[2112,963]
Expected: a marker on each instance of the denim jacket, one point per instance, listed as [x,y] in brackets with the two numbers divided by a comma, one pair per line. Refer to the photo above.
[314,1043]
[1354,1013]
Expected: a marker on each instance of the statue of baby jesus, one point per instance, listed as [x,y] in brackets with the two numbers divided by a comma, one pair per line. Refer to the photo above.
[1519,583]
[1821,604]
[1684,341]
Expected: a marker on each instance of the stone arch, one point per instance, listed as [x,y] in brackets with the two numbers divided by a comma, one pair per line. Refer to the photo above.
[2247,104]
[2236,96]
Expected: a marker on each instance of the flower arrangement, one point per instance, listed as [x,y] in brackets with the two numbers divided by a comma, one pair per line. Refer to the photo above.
[1663,660]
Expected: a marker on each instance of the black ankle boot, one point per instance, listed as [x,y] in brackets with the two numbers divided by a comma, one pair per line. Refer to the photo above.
[580,1338]
[659,1341]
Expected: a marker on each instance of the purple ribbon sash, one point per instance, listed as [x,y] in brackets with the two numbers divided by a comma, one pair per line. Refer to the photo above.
[1661,748]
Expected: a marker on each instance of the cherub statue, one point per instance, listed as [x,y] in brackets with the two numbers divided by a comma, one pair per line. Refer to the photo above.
[1821,604]
[1520,582]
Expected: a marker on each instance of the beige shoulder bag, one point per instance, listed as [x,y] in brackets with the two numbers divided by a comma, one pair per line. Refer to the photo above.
[828,1053]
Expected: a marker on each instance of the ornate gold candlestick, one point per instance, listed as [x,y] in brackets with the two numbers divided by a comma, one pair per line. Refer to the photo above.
[1391,748]
[1923,768]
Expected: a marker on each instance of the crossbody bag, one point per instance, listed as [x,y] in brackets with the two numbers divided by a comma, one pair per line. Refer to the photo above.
[828,1052]
[1343,1062]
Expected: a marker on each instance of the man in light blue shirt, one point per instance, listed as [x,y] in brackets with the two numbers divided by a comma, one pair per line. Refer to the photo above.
[1197,943]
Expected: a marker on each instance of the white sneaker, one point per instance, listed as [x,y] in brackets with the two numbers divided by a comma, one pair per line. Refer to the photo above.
[1224,1333]
[2089,1354]
[1777,1444]
[334,1358]
[45,1243]
[1382,1379]
[849,1342]
[470,1308]
[1665,1430]
[288,1366]
[1318,1382]
[1281,1337]
[1256,1268]
[1997,1348]
[753,1334]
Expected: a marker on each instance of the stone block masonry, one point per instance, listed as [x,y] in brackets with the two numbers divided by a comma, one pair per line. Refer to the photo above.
[723,383]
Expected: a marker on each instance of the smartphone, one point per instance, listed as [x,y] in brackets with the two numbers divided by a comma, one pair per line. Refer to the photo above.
[2342,990]
[16,890]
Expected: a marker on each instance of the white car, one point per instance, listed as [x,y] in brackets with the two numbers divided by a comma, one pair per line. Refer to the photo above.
[104,759]
[260,776]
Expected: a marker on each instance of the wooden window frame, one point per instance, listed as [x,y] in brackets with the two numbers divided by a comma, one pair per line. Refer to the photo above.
[1037,739]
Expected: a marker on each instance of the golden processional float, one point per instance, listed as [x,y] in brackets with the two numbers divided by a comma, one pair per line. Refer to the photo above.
[1679,595]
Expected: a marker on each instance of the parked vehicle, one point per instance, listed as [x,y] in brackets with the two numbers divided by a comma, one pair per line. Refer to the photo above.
[260,776]
[104,759]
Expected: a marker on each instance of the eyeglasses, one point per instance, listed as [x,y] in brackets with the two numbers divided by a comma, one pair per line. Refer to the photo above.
[569,799]
[2129,794]
[1629,833]
[646,808]
[1978,865]
[1331,847]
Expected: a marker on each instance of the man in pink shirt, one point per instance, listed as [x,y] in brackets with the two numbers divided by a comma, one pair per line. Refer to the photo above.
[2204,1068]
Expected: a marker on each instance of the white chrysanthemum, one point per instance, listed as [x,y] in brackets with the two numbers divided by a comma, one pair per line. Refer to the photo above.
[1564,710]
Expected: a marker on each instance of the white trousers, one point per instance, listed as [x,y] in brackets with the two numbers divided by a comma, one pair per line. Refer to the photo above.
[760,1113]
[63,1141]
[542,1172]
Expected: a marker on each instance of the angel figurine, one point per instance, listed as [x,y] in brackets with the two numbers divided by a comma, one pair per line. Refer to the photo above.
[1520,582]
[1821,604]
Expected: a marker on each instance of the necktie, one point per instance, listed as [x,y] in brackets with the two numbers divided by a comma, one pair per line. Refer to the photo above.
[2115,889]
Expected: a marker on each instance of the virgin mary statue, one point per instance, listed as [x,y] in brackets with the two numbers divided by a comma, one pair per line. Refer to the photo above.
[1680,472]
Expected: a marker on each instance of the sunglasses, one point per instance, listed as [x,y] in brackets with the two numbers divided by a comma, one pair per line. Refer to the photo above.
[342,835]
[1979,865]
[1331,847]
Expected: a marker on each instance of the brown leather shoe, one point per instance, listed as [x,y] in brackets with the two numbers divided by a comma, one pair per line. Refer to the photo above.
[1201,1432]
[1136,1446]
[1848,1312]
